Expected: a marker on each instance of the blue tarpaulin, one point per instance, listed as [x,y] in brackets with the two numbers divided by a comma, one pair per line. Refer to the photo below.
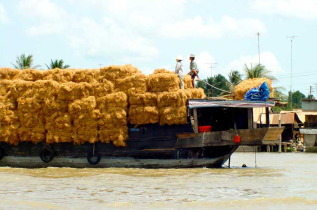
[261,93]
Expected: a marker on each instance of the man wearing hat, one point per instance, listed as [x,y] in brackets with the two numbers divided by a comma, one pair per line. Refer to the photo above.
[179,70]
[193,69]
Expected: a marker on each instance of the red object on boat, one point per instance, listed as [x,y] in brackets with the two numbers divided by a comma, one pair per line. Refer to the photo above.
[237,139]
[202,129]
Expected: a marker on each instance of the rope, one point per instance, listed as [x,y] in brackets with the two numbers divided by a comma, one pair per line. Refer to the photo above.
[214,86]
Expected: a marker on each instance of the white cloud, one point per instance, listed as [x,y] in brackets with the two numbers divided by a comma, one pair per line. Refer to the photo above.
[205,62]
[268,59]
[197,27]
[304,9]
[3,15]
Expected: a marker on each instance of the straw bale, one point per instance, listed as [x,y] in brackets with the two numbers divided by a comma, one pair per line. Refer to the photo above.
[173,115]
[139,115]
[114,134]
[52,105]
[172,99]
[143,99]
[116,100]
[73,91]
[101,89]
[116,117]
[165,71]
[59,128]
[245,85]
[135,83]
[8,134]
[30,75]
[35,135]
[81,107]
[5,86]
[84,75]
[187,81]
[161,82]
[196,93]
[114,72]
[85,130]
[8,73]
[59,75]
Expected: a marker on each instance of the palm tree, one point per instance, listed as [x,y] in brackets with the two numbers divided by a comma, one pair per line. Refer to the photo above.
[234,77]
[25,62]
[57,64]
[218,81]
[258,71]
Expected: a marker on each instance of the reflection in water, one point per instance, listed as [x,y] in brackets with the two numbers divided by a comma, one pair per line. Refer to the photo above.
[279,181]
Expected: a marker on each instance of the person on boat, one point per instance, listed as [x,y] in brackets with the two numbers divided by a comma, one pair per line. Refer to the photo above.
[193,69]
[179,70]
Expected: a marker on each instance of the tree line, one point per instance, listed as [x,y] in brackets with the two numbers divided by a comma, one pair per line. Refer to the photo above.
[219,81]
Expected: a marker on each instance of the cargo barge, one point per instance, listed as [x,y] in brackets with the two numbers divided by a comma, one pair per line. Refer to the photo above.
[214,130]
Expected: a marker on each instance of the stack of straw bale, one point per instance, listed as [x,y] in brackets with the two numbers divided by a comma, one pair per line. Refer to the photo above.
[245,85]
[88,105]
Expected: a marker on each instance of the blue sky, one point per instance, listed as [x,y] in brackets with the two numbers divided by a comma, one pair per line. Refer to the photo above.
[151,33]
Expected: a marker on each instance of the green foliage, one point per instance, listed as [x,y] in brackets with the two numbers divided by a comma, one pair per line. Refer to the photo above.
[234,77]
[218,81]
[297,98]
[258,71]
[57,64]
[25,62]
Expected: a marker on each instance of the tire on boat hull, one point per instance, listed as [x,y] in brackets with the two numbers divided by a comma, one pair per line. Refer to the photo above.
[93,159]
[47,155]
[1,153]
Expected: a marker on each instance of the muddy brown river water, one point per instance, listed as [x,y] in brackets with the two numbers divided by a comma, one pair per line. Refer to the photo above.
[271,181]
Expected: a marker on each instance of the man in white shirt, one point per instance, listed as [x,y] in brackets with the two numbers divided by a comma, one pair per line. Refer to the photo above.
[179,70]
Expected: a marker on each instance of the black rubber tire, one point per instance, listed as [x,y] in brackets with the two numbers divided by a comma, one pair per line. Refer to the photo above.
[47,155]
[1,153]
[93,159]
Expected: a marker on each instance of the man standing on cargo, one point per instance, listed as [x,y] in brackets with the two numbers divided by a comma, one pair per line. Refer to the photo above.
[179,70]
[193,69]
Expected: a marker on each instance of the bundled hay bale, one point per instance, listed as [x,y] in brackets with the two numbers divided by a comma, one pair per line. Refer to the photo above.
[35,134]
[161,82]
[71,91]
[139,115]
[85,130]
[196,93]
[187,81]
[114,72]
[173,115]
[143,99]
[9,74]
[59,128]
[245,85]
[172,99]
[82,107]
[135,84]
[116,100]
[101,89]
[116,135]
[59,75]
[9,124]
[160,71]
[30,75]
[84,75]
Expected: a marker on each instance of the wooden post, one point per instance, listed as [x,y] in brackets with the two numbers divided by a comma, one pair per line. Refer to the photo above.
[280,142]
[250,118]
[267,116]
[195,120]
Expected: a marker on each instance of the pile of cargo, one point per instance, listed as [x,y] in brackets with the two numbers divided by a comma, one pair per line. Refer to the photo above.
[88,105]
[246,85]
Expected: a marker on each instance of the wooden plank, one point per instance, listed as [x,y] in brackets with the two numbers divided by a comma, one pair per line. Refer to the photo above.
[273,134]
[250,118]
[195,120]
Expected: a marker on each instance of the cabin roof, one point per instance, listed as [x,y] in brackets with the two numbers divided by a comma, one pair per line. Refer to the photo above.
[203,103]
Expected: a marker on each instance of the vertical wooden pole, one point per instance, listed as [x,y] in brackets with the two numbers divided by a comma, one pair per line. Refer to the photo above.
[267,116]
[250,118]
[195,120]
[280,142]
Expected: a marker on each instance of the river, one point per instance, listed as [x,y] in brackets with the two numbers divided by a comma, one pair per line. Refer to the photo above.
[270,181]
